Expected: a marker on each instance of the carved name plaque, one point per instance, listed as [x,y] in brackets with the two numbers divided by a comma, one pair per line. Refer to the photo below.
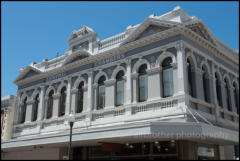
[56,76]
[109,60]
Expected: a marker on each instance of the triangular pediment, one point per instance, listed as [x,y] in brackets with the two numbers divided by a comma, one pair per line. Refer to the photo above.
[27,73]
[148,27]
[152,29]
[76,56]
[200,29]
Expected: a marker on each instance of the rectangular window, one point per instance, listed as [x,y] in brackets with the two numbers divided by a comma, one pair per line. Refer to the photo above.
[167,82]
[101,96]
[120,92]
[143,88]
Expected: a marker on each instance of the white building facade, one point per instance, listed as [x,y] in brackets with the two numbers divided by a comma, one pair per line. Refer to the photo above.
[166,86]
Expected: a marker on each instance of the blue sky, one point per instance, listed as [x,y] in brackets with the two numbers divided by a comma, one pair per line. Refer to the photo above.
[33,31]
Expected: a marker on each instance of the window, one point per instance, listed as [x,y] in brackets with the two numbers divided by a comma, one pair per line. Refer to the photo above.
[236,97]
[205,85]
[143,83]
[167,77]
[50,104]
[62,102]
[218,90]
[23,111]
[228,101]
[35,108]
[80,98]
[190,78]
[101,92]
[120,88]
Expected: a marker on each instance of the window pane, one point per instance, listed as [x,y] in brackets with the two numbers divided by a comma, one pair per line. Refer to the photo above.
[120,92]
[101,96]
[168,82]
[143,83]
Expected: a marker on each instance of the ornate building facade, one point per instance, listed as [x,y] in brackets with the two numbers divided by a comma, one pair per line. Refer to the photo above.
[162,89]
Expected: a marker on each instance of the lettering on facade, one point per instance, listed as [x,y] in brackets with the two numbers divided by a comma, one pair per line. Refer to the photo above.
[56,77]
[109,60]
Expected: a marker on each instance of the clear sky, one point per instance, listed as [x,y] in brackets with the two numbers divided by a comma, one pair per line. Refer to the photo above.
[33,31]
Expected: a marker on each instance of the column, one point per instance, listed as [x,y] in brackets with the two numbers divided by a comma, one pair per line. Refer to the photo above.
[135,87]
[29,111]
[224,94]
[128,95]
[154,83]
[182,74]
[56,105]
[110,93]
[95,86]
[214,93]
[90,92]
[85,99]
[16,119]
[41,104]
[68,100]
[74,100]
[233,106]
[175,79]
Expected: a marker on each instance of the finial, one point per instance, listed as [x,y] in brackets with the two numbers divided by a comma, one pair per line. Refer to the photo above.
[177,8]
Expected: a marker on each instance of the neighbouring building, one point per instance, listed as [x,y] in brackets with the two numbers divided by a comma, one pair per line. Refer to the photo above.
[8,104]
[163,89]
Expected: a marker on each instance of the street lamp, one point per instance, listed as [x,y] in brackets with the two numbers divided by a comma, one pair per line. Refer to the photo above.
[71,120]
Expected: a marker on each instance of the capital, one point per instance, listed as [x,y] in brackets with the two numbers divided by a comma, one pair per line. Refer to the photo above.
[128,61]
[179,46]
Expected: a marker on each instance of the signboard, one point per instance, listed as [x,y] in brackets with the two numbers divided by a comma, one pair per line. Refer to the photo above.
[205,151]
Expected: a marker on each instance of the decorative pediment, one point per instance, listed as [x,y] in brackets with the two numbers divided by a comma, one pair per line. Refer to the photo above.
[27,73]
[148,27]
[76,56]
[152,29]
[200,28]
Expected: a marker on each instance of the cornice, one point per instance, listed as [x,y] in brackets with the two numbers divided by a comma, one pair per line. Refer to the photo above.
[129,46]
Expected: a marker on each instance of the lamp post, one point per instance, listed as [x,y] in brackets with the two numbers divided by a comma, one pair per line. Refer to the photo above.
[71,121]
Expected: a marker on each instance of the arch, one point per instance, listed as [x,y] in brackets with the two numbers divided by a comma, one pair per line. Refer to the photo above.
[204,63]
[24,96]
[35,92]
[226,76]
[78,81]
[234,81]
[99,75]
[217,72]
[192,58]
[139,63]
[49,89]
[116,70]
[164,55]
[61,86]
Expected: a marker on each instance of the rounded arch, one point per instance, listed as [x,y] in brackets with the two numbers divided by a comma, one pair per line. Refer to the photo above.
[78,81]
[217,72]
[116,70]
[49,89]
[99,75]
[204,64]
[164,55]
[139,63]
[235,82]
[227,78]
[61,86]
[23,97]
[192,58]
[35,93]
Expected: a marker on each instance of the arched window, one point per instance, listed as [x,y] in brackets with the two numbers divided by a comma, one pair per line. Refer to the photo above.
[35,108]
[142,83]
[62,102]
[236,97]
[119,88]
[218,89]
[80,98]
[101,92]
[167,77]
[23,111]
[205,84]
[228,97]
[191,78]
[50,104]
